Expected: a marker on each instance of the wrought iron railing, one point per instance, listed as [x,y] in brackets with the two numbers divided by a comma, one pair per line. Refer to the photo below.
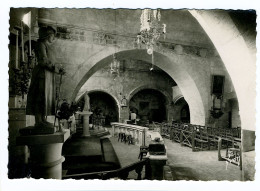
[121,173]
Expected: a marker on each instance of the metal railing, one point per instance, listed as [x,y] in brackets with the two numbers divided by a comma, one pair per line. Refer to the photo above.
[121,173]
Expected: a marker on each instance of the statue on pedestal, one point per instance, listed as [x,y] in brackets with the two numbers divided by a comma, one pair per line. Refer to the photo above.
[87,104]
[41,95]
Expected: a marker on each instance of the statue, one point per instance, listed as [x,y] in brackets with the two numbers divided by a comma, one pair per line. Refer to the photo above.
[87,104]
[41,95]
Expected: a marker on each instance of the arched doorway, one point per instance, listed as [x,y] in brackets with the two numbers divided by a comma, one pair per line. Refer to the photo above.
[181,111]
[149,104]
[171,65]
[103,106]
[185,114]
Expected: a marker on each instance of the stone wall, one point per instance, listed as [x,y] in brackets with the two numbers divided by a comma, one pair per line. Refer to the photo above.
[134,76]
[85,46]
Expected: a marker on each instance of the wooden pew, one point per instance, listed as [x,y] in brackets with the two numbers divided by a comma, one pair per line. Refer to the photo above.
[213,137]
[176,132]
[187,135]
[201,140]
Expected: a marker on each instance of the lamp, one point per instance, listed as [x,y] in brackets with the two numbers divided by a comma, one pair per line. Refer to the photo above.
[23,73]
[151,30]
[124,102]
[115,66]
[216,110]
[27,20]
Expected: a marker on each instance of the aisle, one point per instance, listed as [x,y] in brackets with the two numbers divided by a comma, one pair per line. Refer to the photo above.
[185,164]
[202,165]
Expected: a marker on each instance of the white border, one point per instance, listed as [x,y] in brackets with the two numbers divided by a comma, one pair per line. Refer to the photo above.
[14,185]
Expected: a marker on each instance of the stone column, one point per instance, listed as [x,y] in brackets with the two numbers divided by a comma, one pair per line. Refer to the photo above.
[45,153]
[86,115]
[247,157]
[124,114]
[113,130]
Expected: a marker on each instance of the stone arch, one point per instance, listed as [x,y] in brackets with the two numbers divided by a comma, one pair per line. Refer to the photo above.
[177,98]
[170,64]
[137,89]
[106,92]
[233,50]
[100,90]
[162,91]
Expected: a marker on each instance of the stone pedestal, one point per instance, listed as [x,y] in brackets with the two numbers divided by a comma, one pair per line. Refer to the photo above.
[45,153]
[85,115]
[18,155]
[157,168]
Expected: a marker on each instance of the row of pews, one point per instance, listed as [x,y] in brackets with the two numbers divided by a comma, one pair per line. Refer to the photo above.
[201,138]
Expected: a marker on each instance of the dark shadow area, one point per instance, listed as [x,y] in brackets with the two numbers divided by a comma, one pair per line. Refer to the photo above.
[88,154]
[149,104]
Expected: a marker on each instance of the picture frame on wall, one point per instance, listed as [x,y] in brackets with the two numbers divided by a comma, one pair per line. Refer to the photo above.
[217,87]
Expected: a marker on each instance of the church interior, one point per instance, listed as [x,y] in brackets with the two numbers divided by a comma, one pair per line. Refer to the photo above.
[141,94]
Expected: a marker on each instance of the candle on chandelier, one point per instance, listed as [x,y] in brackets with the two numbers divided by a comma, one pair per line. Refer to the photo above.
[155,13]
[149,15]
[16,53]
[159,15]
[164,28]
[22,42]
[30,43]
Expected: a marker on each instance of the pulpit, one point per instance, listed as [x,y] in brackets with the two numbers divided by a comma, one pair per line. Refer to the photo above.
[45,159]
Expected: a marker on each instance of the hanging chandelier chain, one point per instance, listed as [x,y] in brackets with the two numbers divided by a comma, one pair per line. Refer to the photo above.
[150,31]
[115,64]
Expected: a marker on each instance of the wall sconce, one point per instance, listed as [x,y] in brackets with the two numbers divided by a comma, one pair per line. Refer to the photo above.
[124,102]
[216,110]
[217,90]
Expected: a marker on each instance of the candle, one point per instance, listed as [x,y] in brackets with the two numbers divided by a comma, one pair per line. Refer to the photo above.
[159,15]
[164,28]
[30,46]
[22,42]
[154,13]
[16,53]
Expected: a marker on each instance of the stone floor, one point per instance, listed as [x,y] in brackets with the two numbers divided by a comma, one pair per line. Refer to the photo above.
[185,164]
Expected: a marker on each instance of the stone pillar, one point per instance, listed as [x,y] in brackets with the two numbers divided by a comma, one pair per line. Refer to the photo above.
[45,153]
[247,157]
[124,114]
[86,115]
[113,131]
[18,154]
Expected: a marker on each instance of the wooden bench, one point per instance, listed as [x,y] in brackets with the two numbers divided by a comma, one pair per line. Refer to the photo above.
[201,140]
[187,135]
[213,137]
[176,132]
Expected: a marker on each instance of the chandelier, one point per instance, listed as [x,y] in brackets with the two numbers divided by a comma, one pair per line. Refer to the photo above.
[151,29]
[115,66]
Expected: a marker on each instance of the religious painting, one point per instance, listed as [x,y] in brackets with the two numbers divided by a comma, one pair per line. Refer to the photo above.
[217,84]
